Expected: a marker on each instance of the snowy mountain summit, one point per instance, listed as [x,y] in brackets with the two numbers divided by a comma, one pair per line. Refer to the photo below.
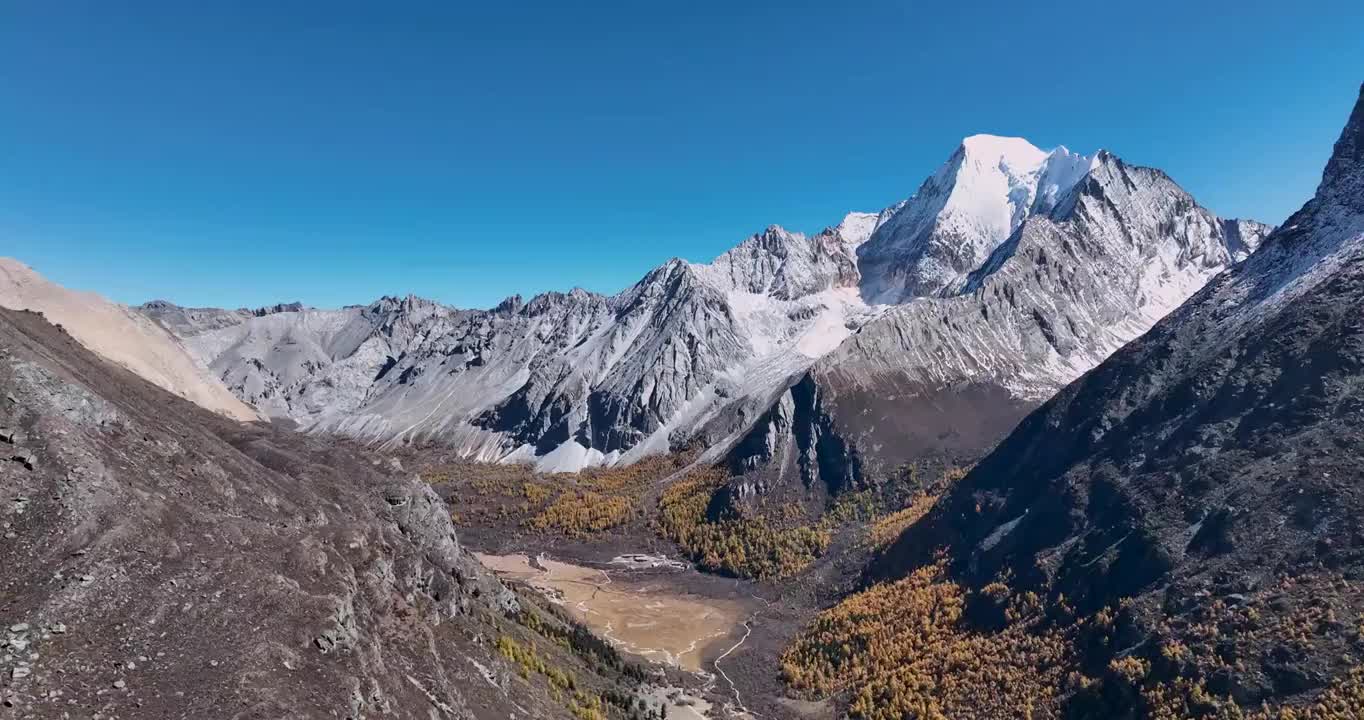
[1010,272]
[979,197]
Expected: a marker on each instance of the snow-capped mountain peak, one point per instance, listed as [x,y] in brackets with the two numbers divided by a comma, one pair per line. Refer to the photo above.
[971,205]
[857,227]
[1002,151]
[1061,172]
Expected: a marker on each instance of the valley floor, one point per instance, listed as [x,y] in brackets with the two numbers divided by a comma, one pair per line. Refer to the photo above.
[718,638]
[744,622]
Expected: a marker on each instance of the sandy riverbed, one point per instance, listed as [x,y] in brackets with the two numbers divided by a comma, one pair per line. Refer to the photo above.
[643,618]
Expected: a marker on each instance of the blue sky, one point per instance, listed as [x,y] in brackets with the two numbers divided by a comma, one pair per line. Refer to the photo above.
[332,152]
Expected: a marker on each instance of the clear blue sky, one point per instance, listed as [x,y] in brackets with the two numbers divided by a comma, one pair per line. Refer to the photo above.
[250,152]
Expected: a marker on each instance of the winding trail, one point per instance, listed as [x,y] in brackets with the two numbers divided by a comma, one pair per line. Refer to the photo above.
[748,630]
[738,700]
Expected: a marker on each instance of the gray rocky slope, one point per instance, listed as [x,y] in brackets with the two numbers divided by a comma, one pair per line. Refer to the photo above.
[1207,474]
[1008,274]
[121,335]
[162,561]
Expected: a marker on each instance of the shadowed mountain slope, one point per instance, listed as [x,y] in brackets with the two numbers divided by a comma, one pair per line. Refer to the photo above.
[1206,478]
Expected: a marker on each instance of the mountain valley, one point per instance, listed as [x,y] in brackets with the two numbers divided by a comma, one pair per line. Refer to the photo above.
[1047,439]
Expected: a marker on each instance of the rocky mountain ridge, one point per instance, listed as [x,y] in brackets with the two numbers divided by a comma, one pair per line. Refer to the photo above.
[1010,271]
[120,335]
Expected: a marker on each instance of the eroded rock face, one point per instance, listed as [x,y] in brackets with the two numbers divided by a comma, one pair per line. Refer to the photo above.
[158,560]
